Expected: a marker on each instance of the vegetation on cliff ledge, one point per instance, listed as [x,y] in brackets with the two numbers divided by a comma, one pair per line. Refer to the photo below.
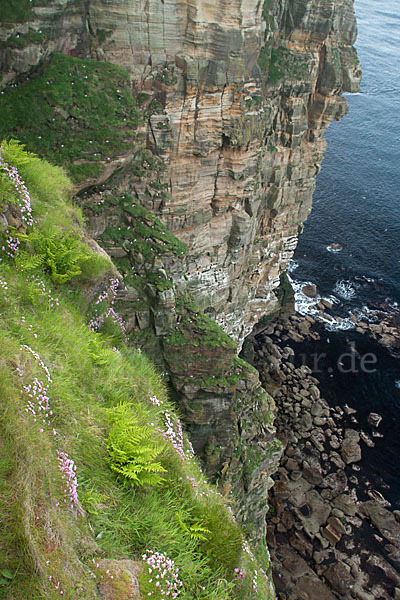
[80,113]
[94,463]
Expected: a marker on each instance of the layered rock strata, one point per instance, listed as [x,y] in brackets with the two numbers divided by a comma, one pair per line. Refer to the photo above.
[198,182]
[246,91]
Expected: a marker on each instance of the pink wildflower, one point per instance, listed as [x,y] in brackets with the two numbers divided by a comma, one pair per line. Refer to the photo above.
[68,468]
[166,571]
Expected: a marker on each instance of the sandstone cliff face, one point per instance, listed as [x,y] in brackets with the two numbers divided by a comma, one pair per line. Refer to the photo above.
[247,90]
[235,96]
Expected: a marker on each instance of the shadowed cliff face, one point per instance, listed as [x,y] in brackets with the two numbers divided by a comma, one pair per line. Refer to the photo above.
[31,30]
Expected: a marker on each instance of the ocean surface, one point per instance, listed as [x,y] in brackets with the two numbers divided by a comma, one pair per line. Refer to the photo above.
[357,205]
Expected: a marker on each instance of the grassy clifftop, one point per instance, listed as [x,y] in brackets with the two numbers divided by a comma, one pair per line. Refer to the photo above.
[96,475]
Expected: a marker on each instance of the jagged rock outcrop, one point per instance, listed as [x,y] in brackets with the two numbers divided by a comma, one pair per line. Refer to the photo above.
[232,100]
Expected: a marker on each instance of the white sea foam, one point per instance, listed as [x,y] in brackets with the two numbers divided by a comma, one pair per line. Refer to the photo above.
[332,299]
[303,304]
[293,265]
[342,325]
[334,250]
[392,307]
[308,306]
[374,315]
[345,289]
[397,383]
[367,314]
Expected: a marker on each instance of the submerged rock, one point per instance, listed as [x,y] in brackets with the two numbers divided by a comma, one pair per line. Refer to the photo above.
[334,247]
[374,419]
[329,524]
[351,450]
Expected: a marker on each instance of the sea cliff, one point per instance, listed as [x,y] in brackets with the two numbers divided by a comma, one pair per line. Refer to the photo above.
[193,132]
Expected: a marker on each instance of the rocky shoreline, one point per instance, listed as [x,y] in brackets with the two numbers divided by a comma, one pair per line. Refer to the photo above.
[381,321]
[331,535]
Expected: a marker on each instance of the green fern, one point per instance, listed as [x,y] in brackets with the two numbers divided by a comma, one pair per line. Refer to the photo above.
[64,257]
[195,529]
[133,450]
[14,152]
[92,500]
[99,353]
[29,262]
[60,255]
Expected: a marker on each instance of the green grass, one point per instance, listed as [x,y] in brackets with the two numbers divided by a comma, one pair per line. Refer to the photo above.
[140,230]
[195,328]
[144,239]
[79,113]
[280,63]
[21,41]
[18,11]
[285,64]
[57,246]
[92,375]
[15,11]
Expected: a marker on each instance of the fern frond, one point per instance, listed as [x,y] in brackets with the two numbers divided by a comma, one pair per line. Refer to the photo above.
[29,262]
[195,529]
[61,254]
[133,449]
[197,532]
[15,153]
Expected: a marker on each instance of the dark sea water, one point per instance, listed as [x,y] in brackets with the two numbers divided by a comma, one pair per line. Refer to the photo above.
[357,205]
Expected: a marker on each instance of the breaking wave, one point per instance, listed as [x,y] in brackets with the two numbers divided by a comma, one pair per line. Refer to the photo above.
[305,305]
[293,265]
[345,289]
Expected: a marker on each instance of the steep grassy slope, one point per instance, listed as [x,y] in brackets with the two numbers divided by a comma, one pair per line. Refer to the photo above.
[93,462]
